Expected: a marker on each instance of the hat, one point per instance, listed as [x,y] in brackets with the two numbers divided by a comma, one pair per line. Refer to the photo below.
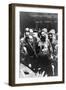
[31,30]
[52,31]
[27,29]
[44,30]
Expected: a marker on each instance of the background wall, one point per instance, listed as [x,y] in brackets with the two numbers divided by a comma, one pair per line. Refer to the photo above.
[4,45]
[37,21]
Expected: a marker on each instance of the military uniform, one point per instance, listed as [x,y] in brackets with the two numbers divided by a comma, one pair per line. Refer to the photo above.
[54,44]
[55,57]
[44,55]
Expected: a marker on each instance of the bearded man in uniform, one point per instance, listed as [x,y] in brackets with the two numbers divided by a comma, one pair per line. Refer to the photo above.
[44,55]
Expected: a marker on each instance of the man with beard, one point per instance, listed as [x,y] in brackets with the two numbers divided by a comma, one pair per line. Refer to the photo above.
[44,60]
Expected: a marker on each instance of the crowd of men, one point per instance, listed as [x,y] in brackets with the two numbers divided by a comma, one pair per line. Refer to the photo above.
[39,51]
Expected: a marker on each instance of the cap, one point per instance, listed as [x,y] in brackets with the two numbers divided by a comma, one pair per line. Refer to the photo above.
[31,30]
[52,31]
[44,30]
[27,29]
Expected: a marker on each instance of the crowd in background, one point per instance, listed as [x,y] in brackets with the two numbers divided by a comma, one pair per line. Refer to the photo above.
[39,51]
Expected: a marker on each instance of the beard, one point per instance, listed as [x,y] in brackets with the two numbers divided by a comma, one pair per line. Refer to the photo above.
[43,38]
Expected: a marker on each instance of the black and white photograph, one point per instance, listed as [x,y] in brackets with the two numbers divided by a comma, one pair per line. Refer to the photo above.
[38,44]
